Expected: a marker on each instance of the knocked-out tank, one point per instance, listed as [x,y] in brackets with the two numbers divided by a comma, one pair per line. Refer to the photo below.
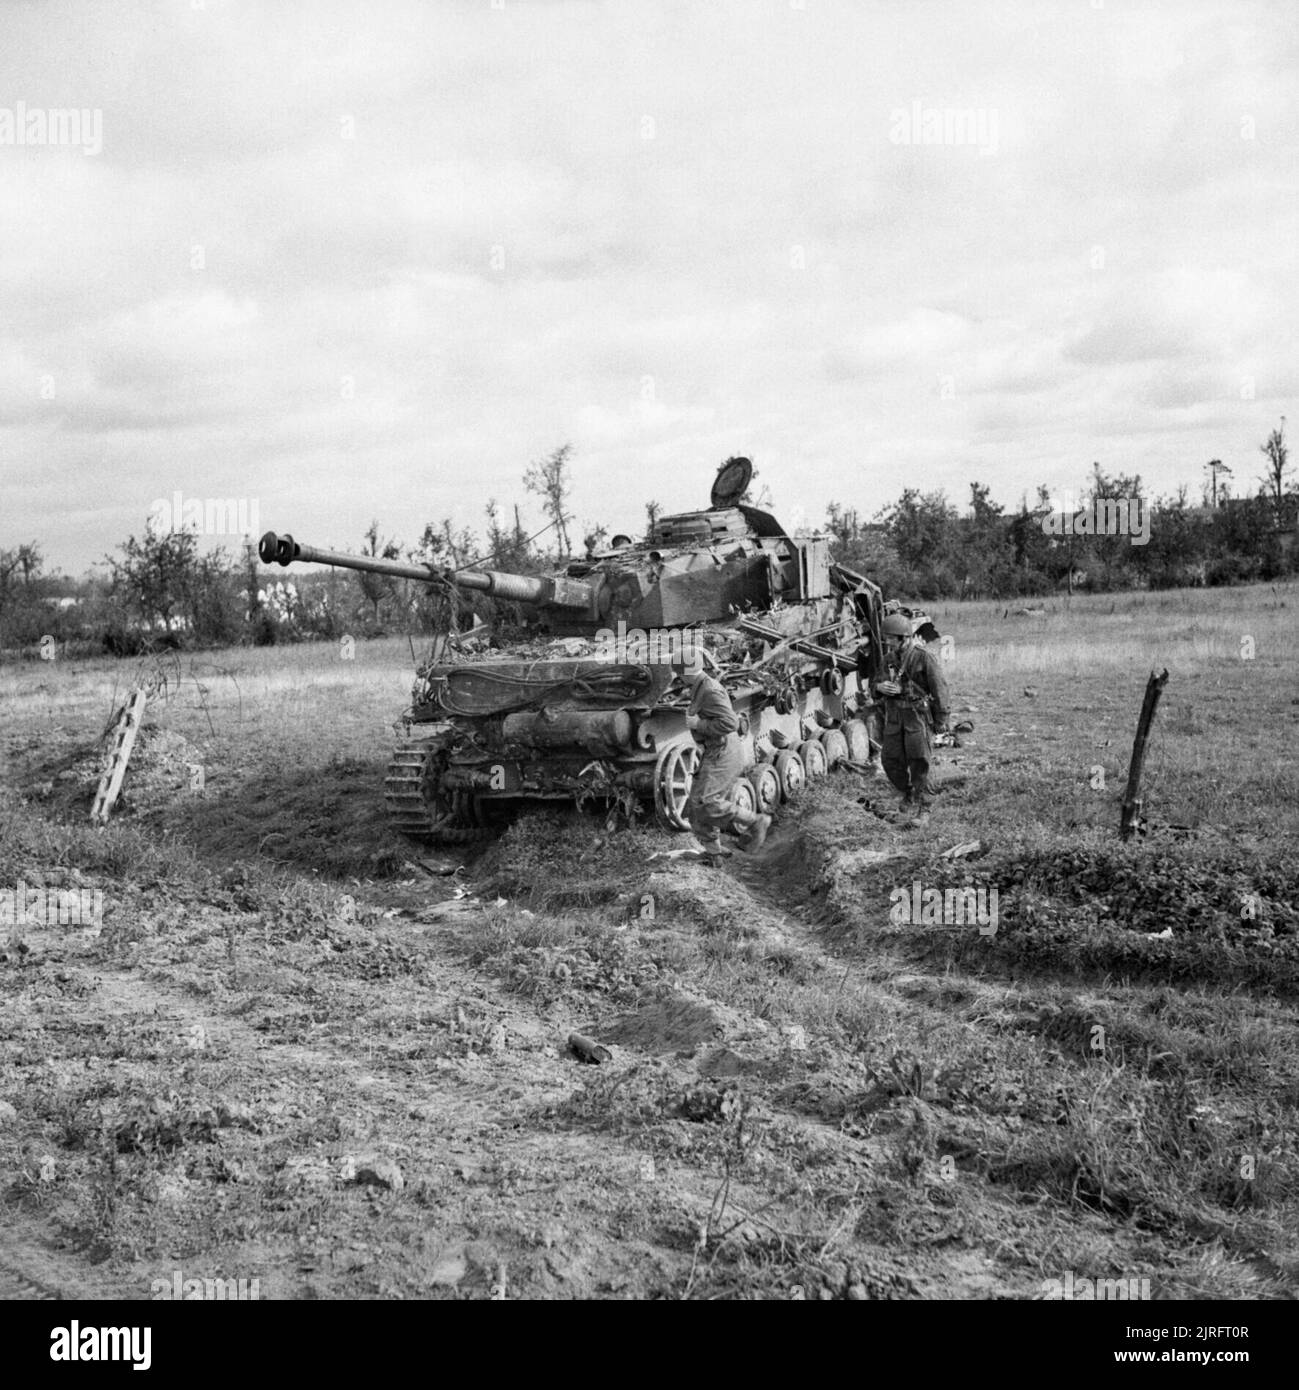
[590,712]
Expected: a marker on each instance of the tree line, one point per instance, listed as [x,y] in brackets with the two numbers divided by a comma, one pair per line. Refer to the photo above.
[925,547]
[162,590]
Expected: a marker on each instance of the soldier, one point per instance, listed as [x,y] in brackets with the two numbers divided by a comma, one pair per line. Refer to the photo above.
[713,722]
[916,706]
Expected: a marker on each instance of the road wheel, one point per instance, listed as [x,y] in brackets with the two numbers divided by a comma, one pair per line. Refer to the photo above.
[836,748]
[859,741]
[812,755]
[766,787]
[744,797]
[792,774]
[673,774]
[832,681]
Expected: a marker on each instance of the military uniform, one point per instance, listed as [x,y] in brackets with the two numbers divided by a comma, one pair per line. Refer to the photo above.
[721,764]
[909,721]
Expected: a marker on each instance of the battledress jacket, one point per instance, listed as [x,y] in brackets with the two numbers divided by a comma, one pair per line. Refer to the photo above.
[924,692]
[722,759]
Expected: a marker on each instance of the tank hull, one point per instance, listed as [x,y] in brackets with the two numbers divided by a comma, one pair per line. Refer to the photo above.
[495,734]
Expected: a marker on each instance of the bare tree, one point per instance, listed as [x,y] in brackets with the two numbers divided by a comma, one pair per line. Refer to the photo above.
[1276,454]
[25,560]
[30,561]
[9,565]
[1215,466]
[551,482]
[843,523]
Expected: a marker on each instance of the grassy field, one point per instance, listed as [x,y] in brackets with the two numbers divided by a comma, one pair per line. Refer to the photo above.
[289,1054]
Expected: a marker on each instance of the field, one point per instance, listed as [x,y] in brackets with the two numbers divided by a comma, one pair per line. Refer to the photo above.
[290,1054]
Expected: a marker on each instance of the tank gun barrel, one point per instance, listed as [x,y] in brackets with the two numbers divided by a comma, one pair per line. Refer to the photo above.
[570,594]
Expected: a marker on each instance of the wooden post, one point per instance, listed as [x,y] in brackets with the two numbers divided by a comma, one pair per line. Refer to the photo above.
[1130,819]
[129,719]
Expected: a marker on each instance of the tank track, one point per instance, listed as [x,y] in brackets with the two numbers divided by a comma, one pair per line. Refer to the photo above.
[412,812]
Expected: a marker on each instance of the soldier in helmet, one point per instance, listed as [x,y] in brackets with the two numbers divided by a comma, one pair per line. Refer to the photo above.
[916,705]
[712,720]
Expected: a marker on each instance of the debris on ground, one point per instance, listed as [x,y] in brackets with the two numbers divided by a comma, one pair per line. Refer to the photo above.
[438,868]
[125,728]
[588,1050]
[378,1172]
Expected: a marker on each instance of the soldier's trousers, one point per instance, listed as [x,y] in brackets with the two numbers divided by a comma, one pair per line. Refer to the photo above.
[709,808]
[906,753]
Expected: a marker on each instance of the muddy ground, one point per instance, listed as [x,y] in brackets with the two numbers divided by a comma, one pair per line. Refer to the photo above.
[296,1053]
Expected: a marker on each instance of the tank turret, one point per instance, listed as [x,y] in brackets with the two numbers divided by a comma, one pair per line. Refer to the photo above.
[692,568]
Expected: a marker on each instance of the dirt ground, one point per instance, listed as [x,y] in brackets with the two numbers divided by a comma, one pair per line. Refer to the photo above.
[296,1054]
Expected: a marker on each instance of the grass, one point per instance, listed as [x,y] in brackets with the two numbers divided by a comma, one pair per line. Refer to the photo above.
[833,1104]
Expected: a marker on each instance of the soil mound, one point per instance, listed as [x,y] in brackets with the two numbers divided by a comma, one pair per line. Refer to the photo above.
[160,772]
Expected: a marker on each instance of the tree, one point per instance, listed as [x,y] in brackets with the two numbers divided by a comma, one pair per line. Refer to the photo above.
[153,574]
[164,582]
[923,533]
[653,510]
[1178,541]
[1030,546]
[1245,543]
[1210,493]
[1276,453]
[377,587]
[985,551]
[844,524]
[1108,557]
[506,549]
[550,481]
[983,509]
[259,621]
[441,607]
[30,561]
[917,525]
[23,616]
[25,560]
[498,540]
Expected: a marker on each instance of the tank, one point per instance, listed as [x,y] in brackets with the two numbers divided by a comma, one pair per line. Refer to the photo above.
[589,711]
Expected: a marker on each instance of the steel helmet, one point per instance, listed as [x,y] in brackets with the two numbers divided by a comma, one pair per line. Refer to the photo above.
[895,625]
[692,662]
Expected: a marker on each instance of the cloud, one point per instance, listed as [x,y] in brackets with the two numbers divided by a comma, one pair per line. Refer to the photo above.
[361,262]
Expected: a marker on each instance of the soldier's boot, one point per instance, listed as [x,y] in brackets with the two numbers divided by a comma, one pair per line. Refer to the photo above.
[875,763]
[756,835]
[712,845]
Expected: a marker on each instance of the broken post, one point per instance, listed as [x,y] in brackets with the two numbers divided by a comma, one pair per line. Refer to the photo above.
[1130,818]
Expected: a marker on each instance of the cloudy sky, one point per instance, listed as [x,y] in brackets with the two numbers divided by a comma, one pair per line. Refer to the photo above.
[371,259]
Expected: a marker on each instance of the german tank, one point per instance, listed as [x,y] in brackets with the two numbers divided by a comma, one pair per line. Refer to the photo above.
[590,711]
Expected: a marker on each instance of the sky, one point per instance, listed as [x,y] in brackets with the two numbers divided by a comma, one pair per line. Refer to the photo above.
[344,261]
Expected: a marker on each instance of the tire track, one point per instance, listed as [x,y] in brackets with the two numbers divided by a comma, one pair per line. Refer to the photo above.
[15,1286]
